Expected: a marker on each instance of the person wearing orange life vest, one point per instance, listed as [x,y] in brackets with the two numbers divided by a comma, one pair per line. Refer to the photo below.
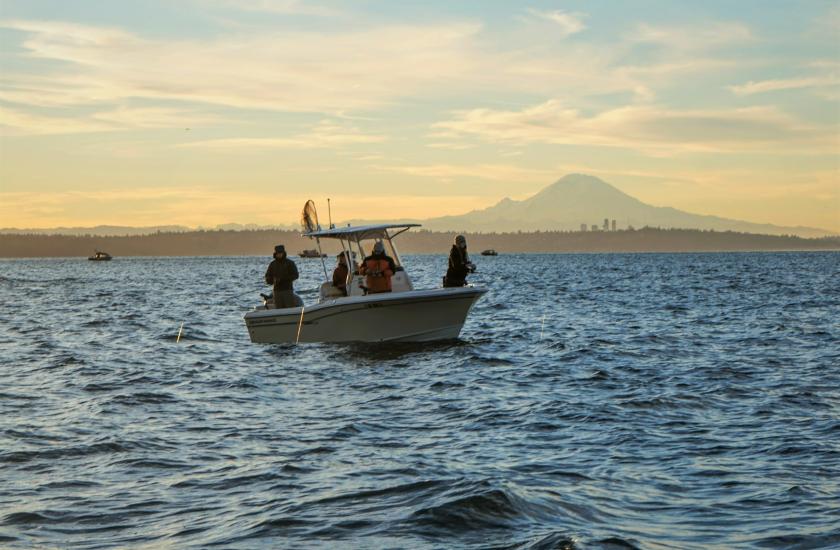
[378,269]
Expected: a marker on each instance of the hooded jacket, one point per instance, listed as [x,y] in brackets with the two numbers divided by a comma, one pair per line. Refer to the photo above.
[456,273]
[281,274]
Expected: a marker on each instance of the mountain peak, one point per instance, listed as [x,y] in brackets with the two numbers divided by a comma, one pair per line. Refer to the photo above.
[580,200]
[581,179]
[580,188]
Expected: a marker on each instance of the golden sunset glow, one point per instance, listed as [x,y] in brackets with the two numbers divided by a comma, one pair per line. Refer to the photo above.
[213,111]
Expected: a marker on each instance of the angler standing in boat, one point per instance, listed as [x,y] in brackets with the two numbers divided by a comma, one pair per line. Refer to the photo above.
[282,272]
[459,264]
[378,269]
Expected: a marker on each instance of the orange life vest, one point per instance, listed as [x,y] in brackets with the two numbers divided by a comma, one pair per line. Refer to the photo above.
[378,272]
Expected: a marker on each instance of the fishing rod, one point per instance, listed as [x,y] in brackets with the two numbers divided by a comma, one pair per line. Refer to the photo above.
[243,294]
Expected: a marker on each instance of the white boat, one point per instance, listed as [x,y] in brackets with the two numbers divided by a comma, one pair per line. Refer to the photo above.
[405,314]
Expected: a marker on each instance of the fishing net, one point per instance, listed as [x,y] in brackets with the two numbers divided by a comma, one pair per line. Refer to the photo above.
[309,218]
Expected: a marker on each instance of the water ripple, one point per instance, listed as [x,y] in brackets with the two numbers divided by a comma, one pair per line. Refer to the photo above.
[594,401]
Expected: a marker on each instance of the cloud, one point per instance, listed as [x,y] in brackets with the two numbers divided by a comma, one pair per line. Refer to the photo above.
[762,86]
[286,71]
[18,122]
[323,135]
[14,122]
[283,7]
[702,36]
[340,72]
[203,206]
[568,23]
[650,129]
[450,145]
[492,172]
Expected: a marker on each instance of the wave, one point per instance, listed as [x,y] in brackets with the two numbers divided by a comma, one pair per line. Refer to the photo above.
[155,464]
[58,453]
[549,541]
[141,398]
[225,482]
[27,518]
[478,506]
[803,542]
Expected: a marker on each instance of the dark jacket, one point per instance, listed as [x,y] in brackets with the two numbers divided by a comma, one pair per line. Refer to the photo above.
[456,274]
[281,274]
[340,277]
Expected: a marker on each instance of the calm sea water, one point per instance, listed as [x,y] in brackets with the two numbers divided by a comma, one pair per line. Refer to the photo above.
[593,401]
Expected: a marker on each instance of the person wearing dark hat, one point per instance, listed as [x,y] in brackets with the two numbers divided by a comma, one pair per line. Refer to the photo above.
[282,272]
[459,264]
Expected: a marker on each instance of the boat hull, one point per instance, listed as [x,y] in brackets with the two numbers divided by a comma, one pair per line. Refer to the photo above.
[413,316]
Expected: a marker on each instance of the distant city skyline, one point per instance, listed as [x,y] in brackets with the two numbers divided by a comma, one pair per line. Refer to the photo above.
[206,112]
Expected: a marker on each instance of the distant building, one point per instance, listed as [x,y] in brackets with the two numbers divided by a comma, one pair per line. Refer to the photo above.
[613,225]
[594,227]
[583,227]
[606,224]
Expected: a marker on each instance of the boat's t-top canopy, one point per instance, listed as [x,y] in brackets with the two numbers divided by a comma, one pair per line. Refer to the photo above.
[351,237]
[361,232]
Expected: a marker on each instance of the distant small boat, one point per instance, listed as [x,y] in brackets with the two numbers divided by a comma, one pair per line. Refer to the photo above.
[311,254]
[100,257]
[489,252]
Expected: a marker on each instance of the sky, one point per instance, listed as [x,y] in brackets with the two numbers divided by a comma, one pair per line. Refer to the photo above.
[205,112]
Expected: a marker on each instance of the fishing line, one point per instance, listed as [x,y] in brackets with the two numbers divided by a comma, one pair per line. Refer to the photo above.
[542,327]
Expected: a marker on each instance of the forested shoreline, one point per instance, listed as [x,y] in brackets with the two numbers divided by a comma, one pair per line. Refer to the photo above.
[261,242]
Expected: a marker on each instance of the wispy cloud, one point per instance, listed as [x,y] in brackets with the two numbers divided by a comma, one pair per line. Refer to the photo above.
[21,122]
[324,135]
[650,129]
[567,23]
[450,145]
[202,206]
[449,172]
[283,7]
[761,86]
[700,36]
[339,72]
[15,122]
[279,71]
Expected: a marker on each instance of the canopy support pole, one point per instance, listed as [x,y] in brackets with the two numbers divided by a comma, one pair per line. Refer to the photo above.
[321,254]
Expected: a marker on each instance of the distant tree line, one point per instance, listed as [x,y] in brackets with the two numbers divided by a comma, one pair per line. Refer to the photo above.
[261,242]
